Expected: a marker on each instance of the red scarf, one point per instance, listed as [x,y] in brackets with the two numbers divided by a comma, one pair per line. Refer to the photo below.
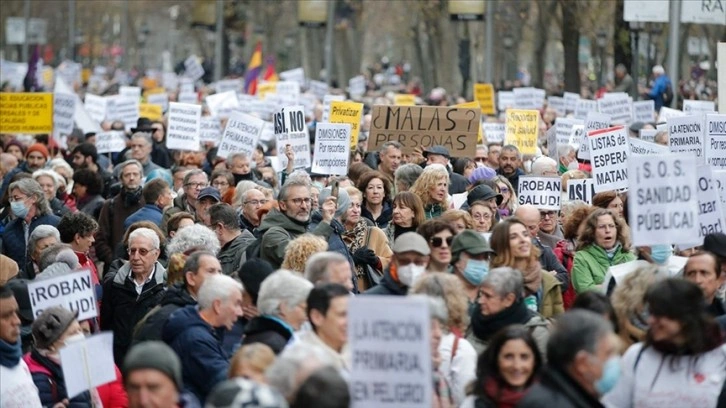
[503,396]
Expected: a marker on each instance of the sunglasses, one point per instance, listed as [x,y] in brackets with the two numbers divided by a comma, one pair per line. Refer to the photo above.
[438,241]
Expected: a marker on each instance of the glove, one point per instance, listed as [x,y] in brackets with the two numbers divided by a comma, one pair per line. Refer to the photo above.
[365,256]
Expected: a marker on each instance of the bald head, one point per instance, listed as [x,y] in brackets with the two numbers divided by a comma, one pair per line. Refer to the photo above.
[529,215]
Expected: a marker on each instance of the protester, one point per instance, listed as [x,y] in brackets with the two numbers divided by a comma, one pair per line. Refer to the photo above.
[293,366]
[704,269]
[410,257]
[406,176]
[157,196]
[251,361]
[509,197]
[565,249]
[252,200]
[470,254]
[440,155]
[85,156]
[208,197]
[533,218]
[483,217]
[599,303]
[193,183]
[140,148]
[439,235]
[225,223]
[509,162]
[408,214]
[376,203]
[432,188]
[329,267]
[389,158]
[609,200]
[223,180]
[324,388]
[327,311]
[239,392]
[48,181]
[36,157]
[87,189]
[41,238]
[177,222]
[299,250]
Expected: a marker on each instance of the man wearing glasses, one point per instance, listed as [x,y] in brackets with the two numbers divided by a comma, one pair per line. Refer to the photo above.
[194,182]
[252,201]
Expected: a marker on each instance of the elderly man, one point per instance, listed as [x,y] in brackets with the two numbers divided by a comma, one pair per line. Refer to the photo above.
[117,209]
[410,258]
[544,166]
[568,158]
[240,166]
[509,161]
[194,181]
[130,293]
[252,200]
[190,332]
[282,304]
[224,222]
[389,158]
[153,376]
[329,267]
[440,155]
[328,315]
[406,175]
[208,197]
[141,145]
[704,269]
[495,150]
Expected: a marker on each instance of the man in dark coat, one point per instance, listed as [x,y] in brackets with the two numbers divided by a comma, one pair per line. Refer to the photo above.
[410,257]
[225,223]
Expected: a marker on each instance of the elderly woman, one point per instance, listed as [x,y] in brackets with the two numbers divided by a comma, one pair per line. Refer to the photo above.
[565,249]
[483,216]
[408,214]
[502,304]
[376,205]
[603,243]
[49,182]
[406,175]
[439,235]
[30,209]
[514,248]
[433,190]
[459,219]
[41,238]
[282,304]
[223,180]
[300,249]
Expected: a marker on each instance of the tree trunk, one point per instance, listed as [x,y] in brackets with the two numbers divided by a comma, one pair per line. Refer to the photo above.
[570,43]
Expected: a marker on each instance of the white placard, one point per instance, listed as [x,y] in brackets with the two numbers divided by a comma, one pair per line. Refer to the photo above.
[186,85]
[390,328]
[583,107]
[710,210]
[226,85]
[716,141]
[552,143]
[621,271]
[609,153]
[290,129]
[665,114]
[618,107]
[638,146]
[719,176]
[644,111]
[685,134]
[528,98]
[288,91]
[294,75]
[188,97]
[192,68]
[88,363]
[564,128]
[184,121]
[161,99]
[126,110]
[576,136]
[210,130]
[357,86]
[505,100]
[131,92]
[242,134]
[571,99]
[96,107]
[318,88]
[308,101]
[558,104]
[593,121]
[704,12]
[647,11]
[110,142]
[581,189]
[663,204]
[694,107]
[332,149]
[70,72]
[221,105]
[64,108]
[648,135]
[327,100]
[494,132]
[541,192]
[74,291]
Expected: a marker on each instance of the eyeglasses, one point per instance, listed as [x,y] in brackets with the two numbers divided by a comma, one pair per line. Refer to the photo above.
[16,199]
[480,159]
[220,184]
[300,201]
[481,216]
[141,251]
[545,214]
[196,185]
[438,241]
[257,202]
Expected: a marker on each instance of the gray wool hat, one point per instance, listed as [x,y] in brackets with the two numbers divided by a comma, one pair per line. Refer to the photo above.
[343,200]
[50,325]
[154,355]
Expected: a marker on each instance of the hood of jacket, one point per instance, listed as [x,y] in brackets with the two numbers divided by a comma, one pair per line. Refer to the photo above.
[125,270]
[276,218]
[177,295]
[262,324]
[601,257]
[182,320]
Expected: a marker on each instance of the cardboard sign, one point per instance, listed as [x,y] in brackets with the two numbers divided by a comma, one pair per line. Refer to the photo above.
[126,110]
[183,132]
[522,130]
[716,141]
[29,113]
[111,141]
[609,153]
[494,132]
[593,121]
[350,113]
[390,348]
[638,146]
[296,75]
[685,134]
[505,100]
[290,129]
[192,68]
[318,88]
[147,110]
[210,130]
[221,105]
[327,100]
[227,85]
[332,148]
[558,104]
[710,211]
[583,107]
[454,128]
[484,94]
[571,100]
[404,99]
[541,192]
[357,86]
[242,134]
[644,111]
[581,189]
[73,291]
[88,363]
[618,107]
[695,107]
[64,108]
[663,204]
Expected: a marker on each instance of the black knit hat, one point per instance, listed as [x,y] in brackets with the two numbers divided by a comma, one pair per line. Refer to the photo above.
[252,273]
[154,355]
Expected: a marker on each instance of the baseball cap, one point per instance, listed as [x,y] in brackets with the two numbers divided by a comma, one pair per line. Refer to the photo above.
[209,192]
[471,242]
[411,242]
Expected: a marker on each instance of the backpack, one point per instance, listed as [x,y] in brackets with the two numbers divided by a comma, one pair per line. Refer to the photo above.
[667,94]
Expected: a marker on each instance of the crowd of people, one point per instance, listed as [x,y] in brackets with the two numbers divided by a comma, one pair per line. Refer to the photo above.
[226,282]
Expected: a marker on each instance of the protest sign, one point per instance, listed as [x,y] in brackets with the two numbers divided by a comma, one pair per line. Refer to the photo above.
[719,176]
[151,111]
[522,129]
[494,132]
[541,192]
[288,92]
[505,100]
[264,88]
[563,129]
[29,113]
[242,134]
[691,107]
[161,99]
[571,99]
[685,134]
[581,189]
[111,141]
[290,129]
[80,116]
[593,121]
[327,100]
[666,114]
[192,68]
[583,107]
[188,97]
[710,210]
[170,81]
[576,136]
[716,141]
[618,107]
[484,94]
[644,111]
[183,132]
[621,271]
[318,88]
[528,98]
[455,128]
[552,145]
[131,92]
[558,104]
[648,135]
[474,105]
[357,86]
[226,85]
[663,204]
[64,107]
[186,85]
[74,291]
[389,339]
[609,153]
[638,146]
[210,130]
[87,363]
[221,105]
[404,99]
[332,149]
[70,72]
[296,75]
[126,110]
[347,112]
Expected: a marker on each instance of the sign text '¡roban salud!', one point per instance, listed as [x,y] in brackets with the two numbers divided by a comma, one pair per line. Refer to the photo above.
[454,128]
[30,113]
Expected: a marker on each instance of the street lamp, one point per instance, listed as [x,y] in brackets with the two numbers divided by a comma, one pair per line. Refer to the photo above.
[602,40]
[635,28]
[508,43]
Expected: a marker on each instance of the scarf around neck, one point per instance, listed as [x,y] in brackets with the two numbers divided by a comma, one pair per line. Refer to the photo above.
[484,327]
[532,277]
[10,353]
[502,395]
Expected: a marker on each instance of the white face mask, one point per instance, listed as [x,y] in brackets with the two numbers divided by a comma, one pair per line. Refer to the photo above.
[574,165]
[408,274]
[73,338]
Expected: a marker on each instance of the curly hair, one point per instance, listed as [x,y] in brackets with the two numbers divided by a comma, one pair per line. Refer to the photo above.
[76,223]
[499,242]
[369,176]
[574,220]
[587,237]
[431,176]
[300,249]
[452,216]
[194,236]
[451,290]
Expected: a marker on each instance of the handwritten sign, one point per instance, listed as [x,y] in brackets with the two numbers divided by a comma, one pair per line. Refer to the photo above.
[685,134]
[88,363]
[710,210]
[29,113]
[638,146]
[242,134]
[210,130]
[716,141]
[522,129]
[73,291]
[454,128]
[581,189]
[609,153]
[290,129]
[332,149]
[183,132]
[111,141]
[618,107]
[484,94]
[350,113]
[644,111]
[541,192]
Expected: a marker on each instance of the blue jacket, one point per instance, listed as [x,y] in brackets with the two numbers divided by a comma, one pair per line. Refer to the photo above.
[199,346]
[13,238]
[656,92]
[149,212]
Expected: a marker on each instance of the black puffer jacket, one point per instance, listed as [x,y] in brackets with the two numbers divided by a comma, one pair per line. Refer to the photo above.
[557,389]
[174,298]
[268,331]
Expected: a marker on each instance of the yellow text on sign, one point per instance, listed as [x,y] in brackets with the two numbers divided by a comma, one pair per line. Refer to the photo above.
[522,129]
[484,94]
[347,112]
[29,113]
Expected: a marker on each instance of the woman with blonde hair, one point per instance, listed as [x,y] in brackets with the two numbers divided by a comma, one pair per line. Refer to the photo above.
[432,187]
[459,219]
[458,357]
[300,249]
[509,201]
[514,248]
[251,361]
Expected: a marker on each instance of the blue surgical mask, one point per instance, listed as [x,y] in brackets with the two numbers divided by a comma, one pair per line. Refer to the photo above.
[610,375]
[660,253]
[19,209]
[475,271]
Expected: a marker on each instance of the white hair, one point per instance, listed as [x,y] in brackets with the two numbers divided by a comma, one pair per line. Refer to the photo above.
[658,70]
[49,173]
[282,286]
[216,287]
[294,364]
[145,233]
[40,232]
[55,163]
[196,235]
[543,164]
[317,267]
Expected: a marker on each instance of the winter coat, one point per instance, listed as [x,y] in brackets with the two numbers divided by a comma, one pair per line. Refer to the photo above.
[174,298]
[383,220]
[269,331]
[538,328]
[122,308]
[457,183]
[230,256]
[91,206]
[149,212]
[388,286]
[58,208]
[591,264]
[111,226]
[13,237]
[113,394]
[549,262]
[551,304]
[277,230]
[48,377]
[557,389]
[199,347]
